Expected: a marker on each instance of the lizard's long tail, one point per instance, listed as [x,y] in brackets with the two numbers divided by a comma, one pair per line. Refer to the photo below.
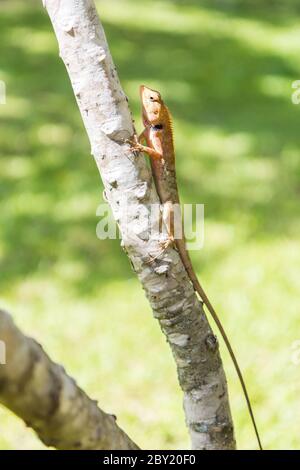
[184,255]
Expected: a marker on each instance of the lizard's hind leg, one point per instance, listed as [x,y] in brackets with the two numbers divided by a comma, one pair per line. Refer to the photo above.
[168,217]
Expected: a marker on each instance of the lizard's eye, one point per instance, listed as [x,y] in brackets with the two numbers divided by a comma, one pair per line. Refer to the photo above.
[151,98]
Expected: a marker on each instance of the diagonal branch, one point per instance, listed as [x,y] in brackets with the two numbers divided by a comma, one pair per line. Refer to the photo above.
[47,399]
[130,193]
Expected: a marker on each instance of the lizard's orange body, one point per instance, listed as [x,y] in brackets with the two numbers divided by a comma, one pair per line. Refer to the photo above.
[158,135]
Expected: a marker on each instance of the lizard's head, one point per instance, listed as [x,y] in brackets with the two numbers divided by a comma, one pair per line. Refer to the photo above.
[152,105]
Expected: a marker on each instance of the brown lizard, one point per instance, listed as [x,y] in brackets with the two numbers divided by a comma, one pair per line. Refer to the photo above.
[158,135]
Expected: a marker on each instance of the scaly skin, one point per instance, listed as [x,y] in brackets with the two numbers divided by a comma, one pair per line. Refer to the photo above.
[158,135]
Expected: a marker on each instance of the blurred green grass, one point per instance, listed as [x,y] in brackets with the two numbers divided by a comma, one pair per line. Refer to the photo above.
[225,69]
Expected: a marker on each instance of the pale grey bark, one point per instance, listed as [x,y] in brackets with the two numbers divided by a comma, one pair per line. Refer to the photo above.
[48,400]
[130,193]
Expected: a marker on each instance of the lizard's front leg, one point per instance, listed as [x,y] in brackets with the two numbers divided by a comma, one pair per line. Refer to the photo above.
[136,145]
[143,148]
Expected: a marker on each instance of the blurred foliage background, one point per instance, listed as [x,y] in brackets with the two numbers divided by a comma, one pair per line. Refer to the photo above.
[226,69]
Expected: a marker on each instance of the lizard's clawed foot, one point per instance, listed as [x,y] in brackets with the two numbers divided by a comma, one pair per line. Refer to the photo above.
[163,245]
[135,146]
[166,243]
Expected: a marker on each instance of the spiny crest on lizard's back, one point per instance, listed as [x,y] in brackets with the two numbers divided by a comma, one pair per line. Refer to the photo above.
[169,120]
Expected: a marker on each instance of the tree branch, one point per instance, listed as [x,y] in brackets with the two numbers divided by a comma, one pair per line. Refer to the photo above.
[130,193]
[48,400]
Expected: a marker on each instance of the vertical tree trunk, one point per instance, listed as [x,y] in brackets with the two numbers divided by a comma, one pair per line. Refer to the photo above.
[130,193]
